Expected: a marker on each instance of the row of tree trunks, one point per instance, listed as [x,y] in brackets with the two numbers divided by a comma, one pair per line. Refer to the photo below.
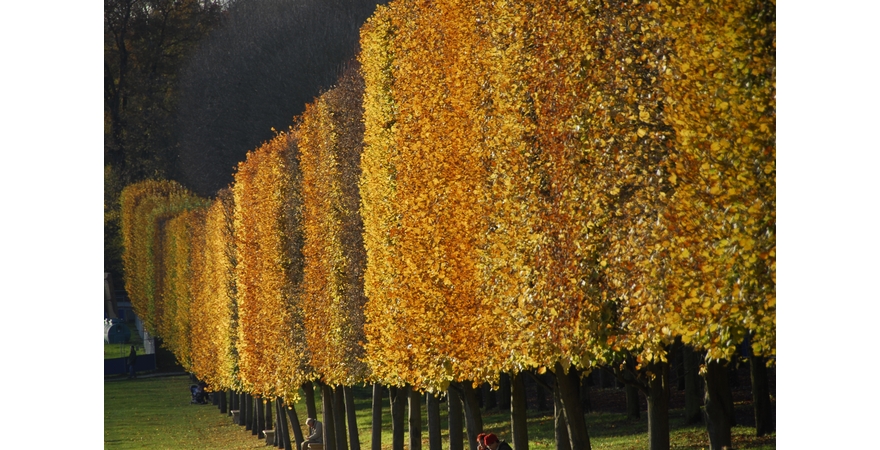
[569,398]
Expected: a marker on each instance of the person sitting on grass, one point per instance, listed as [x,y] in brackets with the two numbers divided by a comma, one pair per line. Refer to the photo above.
[492,443]
[316,435]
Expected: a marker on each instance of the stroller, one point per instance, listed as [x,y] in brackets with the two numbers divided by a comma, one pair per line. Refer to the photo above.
[198,394]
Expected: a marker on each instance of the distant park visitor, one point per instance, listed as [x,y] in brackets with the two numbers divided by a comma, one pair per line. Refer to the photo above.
[132,359]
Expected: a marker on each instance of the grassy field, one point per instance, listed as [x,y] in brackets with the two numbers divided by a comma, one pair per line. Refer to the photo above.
[156,413]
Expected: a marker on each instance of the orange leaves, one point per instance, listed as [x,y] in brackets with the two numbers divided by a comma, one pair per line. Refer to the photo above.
[267,228]
[329,142]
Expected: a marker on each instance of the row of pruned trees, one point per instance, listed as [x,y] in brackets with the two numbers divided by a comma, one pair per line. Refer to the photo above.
[498,188]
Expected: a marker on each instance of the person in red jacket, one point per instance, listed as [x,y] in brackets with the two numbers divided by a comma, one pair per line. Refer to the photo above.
[492,443]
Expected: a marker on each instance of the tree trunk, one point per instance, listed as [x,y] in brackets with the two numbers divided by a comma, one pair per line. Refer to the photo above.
[692,386]
[233,400]
[398,406]
[585,394]
[432,404]
[284,437]
[518,424]
[353,437]
[295,427]
[761,396]
[472,413]
[249,412]
[415,419]
[224,407]
[541,393]
[569,385]
[489,401]
[376,435]
[504,392]
[242,408]
[309,391]
[633,410]
[456,422]
[339,418]
[260,423]
[658,406]
[719,406]
[328,416]
[560,428]
[269,425]
[278,442]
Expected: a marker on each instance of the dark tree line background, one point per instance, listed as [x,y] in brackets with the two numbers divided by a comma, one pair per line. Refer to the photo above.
[190,86]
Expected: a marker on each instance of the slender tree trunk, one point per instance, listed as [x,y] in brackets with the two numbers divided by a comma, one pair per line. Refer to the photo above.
[658,406]
[328,416]
[692,386]
[309,391]
[295,427]
[761,396]
[350,412]
[432,404]
[719,406]
[376,435]
[398,407]
[284,437]
[249,416]
[415,419]
[270,424]
[260,424]
[541,393]
[504,392]
[224,407]
[339,418]
[518,424]
[569,385]
[472,413]
[242,408]
[233,401]
[560,428]
[489,401]
[278,442]
[585,394]
[456,421]
[633,410]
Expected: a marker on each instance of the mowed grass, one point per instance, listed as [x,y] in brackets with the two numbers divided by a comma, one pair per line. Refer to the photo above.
[156,413]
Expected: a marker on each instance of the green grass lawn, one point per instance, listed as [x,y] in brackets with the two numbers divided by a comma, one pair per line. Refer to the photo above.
[156,413]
